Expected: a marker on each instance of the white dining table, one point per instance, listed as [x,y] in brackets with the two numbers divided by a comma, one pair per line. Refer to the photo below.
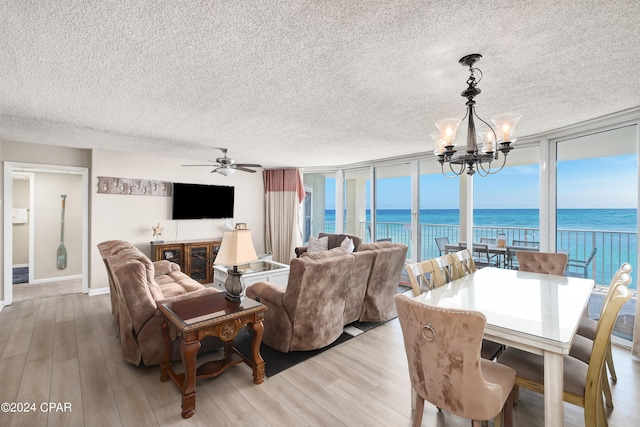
[534,312]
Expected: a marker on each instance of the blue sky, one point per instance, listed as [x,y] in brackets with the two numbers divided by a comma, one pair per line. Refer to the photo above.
[590,183]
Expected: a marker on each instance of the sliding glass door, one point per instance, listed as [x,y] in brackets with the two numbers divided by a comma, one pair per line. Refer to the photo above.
[596,214]
[320,204]
[393,204]
[357,202]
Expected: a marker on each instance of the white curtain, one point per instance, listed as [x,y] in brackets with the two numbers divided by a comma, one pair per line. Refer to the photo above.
[284,192]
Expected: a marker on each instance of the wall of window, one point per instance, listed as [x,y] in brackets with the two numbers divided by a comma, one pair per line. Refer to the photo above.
[320,204]
[596,210]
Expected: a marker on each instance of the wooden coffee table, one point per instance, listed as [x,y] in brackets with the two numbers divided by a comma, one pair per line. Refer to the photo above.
[211,315]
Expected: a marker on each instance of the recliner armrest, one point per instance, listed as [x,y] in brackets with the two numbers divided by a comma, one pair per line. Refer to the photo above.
[165,267]
[188,295]
[267,292]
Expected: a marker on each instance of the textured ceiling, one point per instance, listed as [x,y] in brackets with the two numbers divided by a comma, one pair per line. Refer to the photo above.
[303,83]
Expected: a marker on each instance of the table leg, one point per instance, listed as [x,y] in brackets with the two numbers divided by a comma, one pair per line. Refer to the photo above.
[553,389]
[189,351]
[165,364]
[258,361]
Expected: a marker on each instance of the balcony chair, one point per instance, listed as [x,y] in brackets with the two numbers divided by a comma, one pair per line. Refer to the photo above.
[582,381]
[582,265]
[442,242]
[542,262]
[526,243]
[588,328]
[482,256]
[442,348]
[511,261]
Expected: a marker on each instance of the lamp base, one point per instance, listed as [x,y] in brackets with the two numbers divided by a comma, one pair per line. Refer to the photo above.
[233,298]
[233,285]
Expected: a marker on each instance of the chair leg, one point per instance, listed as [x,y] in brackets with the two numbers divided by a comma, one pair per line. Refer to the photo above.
[515,394]
[609,359]
[606,389]
[507,411]
[418,411]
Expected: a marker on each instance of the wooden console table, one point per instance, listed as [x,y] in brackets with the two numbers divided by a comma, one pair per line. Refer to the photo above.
[211,315]
[195,257]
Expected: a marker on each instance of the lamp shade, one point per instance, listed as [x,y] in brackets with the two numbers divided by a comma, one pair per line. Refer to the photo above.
[236,248]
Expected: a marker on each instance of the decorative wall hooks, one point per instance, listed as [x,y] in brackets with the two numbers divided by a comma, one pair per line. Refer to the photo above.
[133,186]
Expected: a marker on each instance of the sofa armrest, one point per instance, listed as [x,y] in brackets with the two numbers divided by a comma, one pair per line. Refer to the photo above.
[267,292]
[188,295]
[300,250]
[165,267]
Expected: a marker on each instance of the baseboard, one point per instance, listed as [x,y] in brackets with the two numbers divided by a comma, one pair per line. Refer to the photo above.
[98,291]
[57,279]
[1,305]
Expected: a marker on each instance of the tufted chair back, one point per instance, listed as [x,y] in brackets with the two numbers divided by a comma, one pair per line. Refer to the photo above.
[445,368]
[542,262]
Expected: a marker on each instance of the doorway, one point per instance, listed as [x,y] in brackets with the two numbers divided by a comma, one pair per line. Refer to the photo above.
[48,229]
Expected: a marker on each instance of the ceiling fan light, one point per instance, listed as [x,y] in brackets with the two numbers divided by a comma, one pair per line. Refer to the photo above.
[225,171]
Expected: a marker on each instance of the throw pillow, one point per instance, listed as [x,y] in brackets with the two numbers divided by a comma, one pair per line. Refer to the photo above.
[324,254]
[318,245]
[347,244]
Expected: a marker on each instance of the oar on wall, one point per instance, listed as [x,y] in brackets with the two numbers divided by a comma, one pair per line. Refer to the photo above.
[62,251]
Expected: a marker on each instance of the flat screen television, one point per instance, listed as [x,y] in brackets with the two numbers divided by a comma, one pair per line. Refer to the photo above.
[197,201]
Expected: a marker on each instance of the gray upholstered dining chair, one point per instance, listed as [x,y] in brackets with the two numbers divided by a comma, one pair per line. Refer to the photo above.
[542,262]
[582,381]
[445,368]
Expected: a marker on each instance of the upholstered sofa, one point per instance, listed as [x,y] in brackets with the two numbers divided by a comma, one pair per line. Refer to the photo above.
[388,264]
[333,241]
[328,290]
[137,287]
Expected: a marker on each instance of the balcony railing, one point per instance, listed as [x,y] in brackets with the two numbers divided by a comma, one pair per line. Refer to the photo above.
[613,247]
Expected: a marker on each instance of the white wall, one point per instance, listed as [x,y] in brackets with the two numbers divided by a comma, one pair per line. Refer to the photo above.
[130,217]
[47,224]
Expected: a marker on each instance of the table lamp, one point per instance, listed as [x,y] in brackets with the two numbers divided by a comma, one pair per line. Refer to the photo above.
[236,248]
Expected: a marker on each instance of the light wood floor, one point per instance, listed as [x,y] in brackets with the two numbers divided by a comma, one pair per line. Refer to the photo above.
[64,349]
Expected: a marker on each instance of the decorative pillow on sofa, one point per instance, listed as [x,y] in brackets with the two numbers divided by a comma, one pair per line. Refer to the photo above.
[318,245]
[324,254]
[347,244]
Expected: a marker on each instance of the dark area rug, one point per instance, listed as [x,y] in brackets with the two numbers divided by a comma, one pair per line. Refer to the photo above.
[276,361]
[20,275]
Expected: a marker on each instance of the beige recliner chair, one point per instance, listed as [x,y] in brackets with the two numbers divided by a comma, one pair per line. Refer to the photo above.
[311,311]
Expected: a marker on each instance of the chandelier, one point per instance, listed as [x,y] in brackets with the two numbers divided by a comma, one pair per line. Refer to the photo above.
[484,145]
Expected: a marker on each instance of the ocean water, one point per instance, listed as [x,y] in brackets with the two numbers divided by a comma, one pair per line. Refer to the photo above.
[567,219]
[613,232]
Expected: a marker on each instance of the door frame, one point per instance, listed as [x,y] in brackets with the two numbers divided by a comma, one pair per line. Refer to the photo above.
[9,169]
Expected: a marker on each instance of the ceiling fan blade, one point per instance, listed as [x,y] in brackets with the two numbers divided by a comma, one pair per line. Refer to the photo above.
[247,165]
[199,165]
[214,170]
[244,169]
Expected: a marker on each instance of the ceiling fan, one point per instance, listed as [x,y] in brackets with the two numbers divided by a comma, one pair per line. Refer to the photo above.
[227,166]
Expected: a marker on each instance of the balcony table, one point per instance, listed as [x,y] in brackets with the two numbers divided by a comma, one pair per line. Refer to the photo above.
[538,313]
[500,251]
